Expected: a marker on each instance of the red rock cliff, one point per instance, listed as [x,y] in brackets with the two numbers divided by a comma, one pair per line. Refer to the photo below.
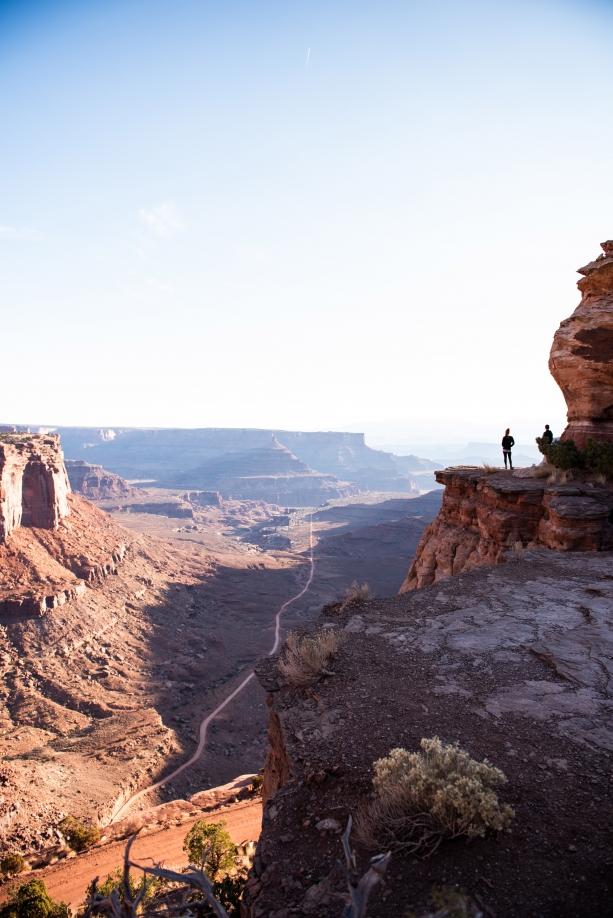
[483,515]
[581,359]
[33,483]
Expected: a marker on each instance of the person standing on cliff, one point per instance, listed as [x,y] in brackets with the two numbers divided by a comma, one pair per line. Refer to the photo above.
[547,435]
[507,445]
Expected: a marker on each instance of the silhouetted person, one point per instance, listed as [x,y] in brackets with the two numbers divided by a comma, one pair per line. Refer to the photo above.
[547,435]
[507,444]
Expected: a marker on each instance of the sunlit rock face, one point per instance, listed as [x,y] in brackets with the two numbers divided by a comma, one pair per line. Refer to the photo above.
[581,358]
[33,483]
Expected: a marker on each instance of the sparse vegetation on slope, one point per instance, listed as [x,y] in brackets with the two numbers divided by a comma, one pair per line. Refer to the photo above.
[306,658]
[78,836]
[428,796]
[12,864]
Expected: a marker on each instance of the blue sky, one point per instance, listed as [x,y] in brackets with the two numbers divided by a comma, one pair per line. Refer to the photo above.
[199,228]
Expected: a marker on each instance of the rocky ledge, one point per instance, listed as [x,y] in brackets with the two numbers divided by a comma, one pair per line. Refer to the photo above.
[512,661]
[485,514]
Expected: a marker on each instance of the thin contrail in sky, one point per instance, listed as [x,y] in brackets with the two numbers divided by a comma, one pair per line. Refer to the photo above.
[308,56]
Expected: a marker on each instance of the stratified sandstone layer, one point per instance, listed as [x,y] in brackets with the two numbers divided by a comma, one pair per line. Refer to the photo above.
[95,483]
[484,514]
[581,359]
[33,483]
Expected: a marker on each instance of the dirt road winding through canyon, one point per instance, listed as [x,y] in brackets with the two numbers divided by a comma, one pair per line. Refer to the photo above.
[205,723]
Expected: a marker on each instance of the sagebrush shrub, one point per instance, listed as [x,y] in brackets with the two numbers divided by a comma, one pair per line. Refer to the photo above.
[305,660]
[426,796]
[356,592]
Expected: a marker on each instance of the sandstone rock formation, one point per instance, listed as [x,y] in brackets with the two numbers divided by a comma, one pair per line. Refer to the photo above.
[95,483]
[581,359]
[484,514]
[33,483]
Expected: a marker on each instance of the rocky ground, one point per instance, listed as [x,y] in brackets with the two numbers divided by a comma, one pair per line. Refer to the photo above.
[514,662]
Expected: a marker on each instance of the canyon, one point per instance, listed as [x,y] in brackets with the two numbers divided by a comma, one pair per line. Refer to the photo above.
[126,621]
[116,658]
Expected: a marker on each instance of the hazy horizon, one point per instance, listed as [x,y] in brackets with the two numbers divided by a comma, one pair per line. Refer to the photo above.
[261,215]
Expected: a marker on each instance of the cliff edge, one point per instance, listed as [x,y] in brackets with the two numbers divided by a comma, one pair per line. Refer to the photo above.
[511,661]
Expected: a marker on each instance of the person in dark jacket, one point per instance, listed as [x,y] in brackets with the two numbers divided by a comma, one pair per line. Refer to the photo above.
[507,444]
[547,435]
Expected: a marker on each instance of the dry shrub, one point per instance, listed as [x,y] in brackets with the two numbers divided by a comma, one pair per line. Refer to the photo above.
[542,471]
[490,468]
[78,836]
[560,476]
[428,796]
[518,550]
[600,480]
[306,659]
[357,593]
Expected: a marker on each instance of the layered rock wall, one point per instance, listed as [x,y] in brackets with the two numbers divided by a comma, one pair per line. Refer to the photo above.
[581,359]
[34,486]
[483,515]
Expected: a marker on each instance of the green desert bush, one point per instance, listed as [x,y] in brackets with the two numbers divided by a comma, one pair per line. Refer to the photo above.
[31,900]
[12,864]
[214,838]
[562,454]
[114,880]
[305,659]
[599,457]
[428,796]
[256,784]
[78,836]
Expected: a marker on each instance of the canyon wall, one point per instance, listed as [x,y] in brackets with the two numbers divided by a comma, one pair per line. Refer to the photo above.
[162,454]
[34,486]
[581,359]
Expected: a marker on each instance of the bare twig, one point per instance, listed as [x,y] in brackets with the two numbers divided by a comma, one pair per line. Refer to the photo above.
[359,889]
[194,878]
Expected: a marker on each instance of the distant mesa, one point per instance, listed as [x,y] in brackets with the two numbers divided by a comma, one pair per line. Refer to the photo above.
[162,455]
[271,473]
[581,359]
